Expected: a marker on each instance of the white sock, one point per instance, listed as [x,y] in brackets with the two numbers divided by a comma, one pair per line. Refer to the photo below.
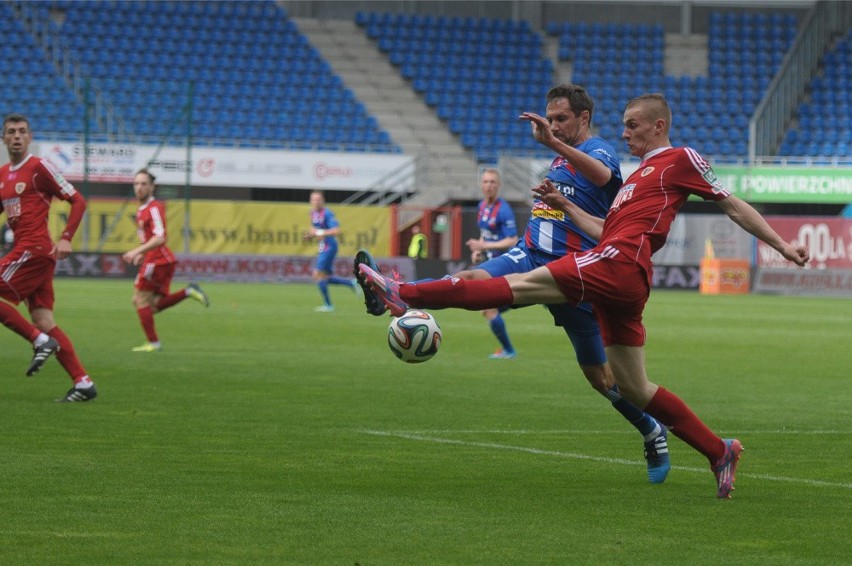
[42,338]
[657,432]
[84,383]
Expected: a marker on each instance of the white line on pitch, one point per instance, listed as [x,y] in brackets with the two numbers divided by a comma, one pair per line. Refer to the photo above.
[574,432]
[538,451]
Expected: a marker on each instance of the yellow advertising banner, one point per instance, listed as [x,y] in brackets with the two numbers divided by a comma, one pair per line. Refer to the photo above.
[229,227]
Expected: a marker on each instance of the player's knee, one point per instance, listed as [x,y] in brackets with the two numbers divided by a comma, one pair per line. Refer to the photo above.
[43,319]
[599,377]
[490,314]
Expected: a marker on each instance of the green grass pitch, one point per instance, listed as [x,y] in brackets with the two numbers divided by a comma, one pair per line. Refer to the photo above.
[266,433]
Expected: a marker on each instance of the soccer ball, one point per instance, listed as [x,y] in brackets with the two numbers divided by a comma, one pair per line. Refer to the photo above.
[414,337]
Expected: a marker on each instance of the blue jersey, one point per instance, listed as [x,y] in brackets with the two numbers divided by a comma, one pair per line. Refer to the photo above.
[496,222]
[552,232]
[323,220]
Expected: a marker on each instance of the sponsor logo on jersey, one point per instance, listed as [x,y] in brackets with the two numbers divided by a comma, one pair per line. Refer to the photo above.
[625,193]
[602,151]
[12,206]
[541,210]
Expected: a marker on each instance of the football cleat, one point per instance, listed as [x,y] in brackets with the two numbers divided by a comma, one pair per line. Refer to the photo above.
[657,456]
[193,291]
[148,347]
[374,305]
[40,355]
[725,468]
[324,308]
[502,355]
[386,289]
[75,395]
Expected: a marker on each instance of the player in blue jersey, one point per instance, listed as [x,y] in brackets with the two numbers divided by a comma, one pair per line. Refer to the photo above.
[498,232]
[587,173]
[325,229]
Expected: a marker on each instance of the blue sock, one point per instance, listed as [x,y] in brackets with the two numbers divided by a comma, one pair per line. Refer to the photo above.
[323,289]
[644,423]
[498,327]
[341,281]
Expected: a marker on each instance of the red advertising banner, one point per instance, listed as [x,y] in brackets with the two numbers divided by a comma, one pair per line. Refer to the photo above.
[829,241]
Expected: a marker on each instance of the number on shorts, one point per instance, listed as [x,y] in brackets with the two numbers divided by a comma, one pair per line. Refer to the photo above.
[516,254]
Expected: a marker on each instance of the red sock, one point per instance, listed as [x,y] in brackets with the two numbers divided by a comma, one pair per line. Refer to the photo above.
[67,356]
[171,300]
[670,410]
[13,319]
[146,317]
[467,294]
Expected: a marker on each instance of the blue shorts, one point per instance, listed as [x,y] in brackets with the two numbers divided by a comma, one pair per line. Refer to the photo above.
[578,322]
[325,260]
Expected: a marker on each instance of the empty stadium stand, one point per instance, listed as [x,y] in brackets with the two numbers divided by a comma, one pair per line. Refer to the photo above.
[258,80]
[711,113]
[478,74]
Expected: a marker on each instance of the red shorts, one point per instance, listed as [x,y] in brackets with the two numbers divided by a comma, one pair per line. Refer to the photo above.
[155,277]
[617,288]
[27,277]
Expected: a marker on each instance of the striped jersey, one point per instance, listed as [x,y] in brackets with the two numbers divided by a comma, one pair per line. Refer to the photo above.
[495,221]
[324,219]
[551,231]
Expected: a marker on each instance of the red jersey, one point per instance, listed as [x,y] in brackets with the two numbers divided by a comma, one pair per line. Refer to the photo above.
[639,220]
[26,191]
[151,222]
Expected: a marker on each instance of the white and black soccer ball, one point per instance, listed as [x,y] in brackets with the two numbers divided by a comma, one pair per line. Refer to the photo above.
[414,337]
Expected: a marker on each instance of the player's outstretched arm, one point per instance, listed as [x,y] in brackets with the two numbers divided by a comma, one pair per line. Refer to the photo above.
[752,222]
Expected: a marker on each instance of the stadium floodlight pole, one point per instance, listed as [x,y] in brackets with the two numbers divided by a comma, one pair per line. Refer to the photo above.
[188,182]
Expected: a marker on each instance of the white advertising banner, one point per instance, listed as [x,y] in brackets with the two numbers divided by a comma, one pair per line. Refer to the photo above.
[690,233]
[225,167]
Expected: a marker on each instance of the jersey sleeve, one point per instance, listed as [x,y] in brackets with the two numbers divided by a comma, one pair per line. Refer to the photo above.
[698,178]
[507,223]
[608,157]
[158,220]
[51,181]
[330,220]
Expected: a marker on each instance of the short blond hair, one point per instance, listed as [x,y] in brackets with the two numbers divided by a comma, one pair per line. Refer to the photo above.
[655,107]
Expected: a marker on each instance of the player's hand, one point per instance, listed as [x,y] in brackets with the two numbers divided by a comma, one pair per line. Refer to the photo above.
[307,235]
[62,249]
[130,258]
[540,127]
[797,254]
[547,193]
[475,245]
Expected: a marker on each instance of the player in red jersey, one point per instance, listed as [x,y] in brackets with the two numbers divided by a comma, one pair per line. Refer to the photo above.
[157,263]
[27,187]
[615,276]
